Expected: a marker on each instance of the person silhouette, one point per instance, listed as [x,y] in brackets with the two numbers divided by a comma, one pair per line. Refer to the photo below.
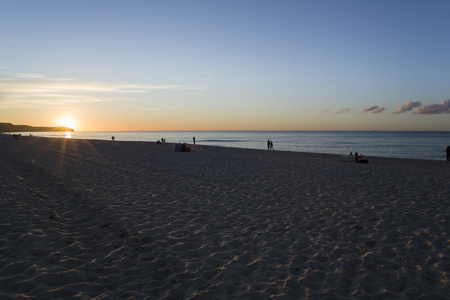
[357,157]
[448,153]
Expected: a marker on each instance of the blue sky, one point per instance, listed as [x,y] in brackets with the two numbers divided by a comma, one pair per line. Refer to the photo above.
[226,65]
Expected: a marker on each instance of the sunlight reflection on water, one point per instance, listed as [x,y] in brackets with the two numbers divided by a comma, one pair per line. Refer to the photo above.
[68,135]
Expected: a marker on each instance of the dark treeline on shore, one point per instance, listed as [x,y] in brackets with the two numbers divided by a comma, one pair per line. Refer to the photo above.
[8,127]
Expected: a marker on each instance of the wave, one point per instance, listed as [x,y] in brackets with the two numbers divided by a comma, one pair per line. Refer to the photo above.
[345,143]
[223,141]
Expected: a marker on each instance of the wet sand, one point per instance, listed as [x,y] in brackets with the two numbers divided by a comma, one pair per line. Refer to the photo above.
[100,219]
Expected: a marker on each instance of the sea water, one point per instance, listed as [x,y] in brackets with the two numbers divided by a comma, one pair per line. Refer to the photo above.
[396,144]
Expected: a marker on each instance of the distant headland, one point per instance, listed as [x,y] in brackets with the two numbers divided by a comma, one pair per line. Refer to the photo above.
[8,127]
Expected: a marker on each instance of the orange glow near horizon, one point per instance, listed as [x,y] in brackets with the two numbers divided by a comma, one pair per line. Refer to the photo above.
[67,121]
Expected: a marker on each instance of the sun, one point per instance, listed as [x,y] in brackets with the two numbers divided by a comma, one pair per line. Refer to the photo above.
[67,121]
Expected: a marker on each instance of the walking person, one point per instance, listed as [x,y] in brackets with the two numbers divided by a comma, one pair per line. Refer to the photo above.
[448,153]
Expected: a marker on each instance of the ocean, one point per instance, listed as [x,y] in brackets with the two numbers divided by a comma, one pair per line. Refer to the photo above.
[396,144]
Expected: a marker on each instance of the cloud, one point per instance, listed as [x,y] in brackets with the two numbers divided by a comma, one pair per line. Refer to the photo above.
[409,105]
[375,109]
[30,76]
[343,111]
[326,110]
[56,86]
[35,89]
[434,109]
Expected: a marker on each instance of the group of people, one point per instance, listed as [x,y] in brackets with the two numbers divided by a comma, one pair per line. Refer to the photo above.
[269,145]
[358,158]
[162,141]
[178,147]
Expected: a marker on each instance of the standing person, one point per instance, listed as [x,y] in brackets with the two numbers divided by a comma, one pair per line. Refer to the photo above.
[271,145]
[193,139]
[448,153]
[268,144]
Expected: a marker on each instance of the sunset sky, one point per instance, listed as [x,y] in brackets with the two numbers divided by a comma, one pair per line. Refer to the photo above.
[226,65]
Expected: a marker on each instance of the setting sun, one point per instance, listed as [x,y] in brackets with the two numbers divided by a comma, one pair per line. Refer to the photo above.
[67,121]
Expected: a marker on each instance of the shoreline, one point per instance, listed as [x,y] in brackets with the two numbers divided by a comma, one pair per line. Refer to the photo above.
[377,158]
[102,219]
[395,146]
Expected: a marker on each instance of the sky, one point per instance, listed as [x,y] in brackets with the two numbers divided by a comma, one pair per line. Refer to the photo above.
[226,65]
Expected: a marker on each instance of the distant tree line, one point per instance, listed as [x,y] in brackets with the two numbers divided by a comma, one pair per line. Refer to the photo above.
[8,127]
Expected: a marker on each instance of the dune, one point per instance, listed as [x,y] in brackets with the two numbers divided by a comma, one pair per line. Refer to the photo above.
[94,219]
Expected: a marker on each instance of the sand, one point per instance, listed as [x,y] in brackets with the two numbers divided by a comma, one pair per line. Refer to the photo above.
[133,220]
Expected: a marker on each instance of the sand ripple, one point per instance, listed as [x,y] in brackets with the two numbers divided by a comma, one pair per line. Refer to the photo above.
[101,220]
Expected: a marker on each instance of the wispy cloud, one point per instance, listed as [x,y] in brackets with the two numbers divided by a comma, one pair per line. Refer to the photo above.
[409,105]
[326,110]
[434,109]
[29,76]
[343,111]
[53,86]
[375,109]
[35,88]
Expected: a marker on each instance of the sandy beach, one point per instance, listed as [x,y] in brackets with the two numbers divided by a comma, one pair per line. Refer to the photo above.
[134,220]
